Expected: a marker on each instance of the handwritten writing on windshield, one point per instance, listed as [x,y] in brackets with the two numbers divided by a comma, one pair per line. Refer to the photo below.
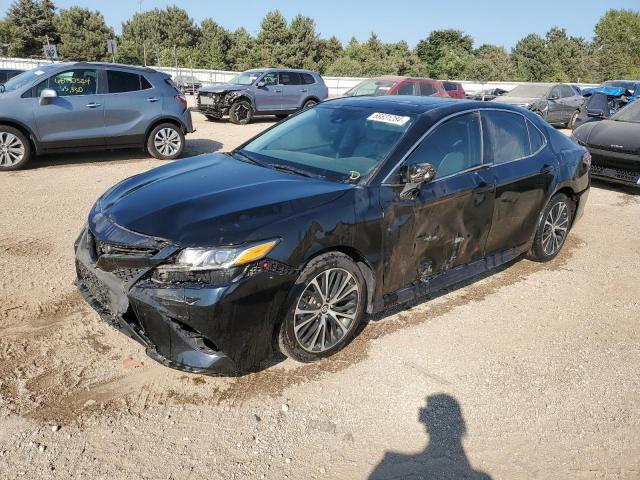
[72,85]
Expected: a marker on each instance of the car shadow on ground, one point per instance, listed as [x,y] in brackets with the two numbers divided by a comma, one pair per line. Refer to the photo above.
[444,457]
[266,119]
[197,146]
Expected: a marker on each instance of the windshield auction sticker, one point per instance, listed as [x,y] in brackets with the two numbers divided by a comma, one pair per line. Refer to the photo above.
[388,118]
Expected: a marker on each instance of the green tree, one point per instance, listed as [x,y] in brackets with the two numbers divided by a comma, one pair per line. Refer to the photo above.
[569,57]
[272,40]
[31,22]
[303,47]
[617,43]
[214,43]
[498,59]
[241,54]
[530,58]
[440,43]
[329,50]
[156,32]
[83,34]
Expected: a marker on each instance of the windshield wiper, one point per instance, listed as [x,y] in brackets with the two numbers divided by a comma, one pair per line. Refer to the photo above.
[248,159]
[296,171]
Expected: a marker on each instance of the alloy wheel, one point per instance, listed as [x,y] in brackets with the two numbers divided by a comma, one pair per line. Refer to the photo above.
[326,310]
[555,228]
[242,111]
[12,150]
[167,141]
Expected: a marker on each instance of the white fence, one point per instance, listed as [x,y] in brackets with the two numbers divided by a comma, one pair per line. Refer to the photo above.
[336,85]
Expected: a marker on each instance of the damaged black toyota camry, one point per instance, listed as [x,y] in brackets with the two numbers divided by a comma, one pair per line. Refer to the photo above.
[343,210]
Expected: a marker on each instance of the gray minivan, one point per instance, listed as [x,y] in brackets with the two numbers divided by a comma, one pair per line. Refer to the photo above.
[69,107]
[263,91]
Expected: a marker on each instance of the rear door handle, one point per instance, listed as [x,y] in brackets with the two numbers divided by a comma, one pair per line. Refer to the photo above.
[304,89]
[152,99]
[93,105]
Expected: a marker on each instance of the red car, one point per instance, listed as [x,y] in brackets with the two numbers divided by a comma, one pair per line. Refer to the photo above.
[393,85]
[454,89]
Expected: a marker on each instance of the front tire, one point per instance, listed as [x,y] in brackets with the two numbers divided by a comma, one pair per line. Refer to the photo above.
[15,149]
[326,306]
[165,142]
[241,112]
[553,227]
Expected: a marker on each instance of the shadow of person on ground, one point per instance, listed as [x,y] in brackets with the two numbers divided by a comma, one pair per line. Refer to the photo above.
[443,458]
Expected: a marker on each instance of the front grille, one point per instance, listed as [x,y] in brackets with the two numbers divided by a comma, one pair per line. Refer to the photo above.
[128,274]
[612,161]
[107,248]
[94,286]
[619,174]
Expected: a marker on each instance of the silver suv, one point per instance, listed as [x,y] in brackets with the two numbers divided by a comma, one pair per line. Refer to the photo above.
[68,107]
[263,91]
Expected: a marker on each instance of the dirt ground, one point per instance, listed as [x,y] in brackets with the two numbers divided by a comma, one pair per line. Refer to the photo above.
[533,372]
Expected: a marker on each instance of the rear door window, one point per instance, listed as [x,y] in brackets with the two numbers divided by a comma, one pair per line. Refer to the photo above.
[506,137]
[536,138]
[290,78]
[120,82]
[70,83]
[407,88]
[427,89]
[450,87]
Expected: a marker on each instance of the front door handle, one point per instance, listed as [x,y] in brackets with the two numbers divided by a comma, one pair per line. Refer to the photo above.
[152,99]
[304,89]
[93,105]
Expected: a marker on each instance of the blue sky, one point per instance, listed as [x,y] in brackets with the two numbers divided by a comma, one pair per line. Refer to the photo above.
[500,22]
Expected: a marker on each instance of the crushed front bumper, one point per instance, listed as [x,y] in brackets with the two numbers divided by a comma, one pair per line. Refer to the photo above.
[198,328]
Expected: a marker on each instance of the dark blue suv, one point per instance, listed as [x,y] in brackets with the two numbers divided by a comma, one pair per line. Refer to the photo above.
[67,107]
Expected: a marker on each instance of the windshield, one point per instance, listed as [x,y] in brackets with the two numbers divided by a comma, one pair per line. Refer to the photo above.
[341,143]
[528,91]
[376,88]
[630,113]
[246,78]
[24,79]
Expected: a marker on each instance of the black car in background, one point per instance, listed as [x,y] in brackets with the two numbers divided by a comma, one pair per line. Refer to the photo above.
[614,144]
[8,73]
[343,210]
[558,103]
[187,83]
[486,95]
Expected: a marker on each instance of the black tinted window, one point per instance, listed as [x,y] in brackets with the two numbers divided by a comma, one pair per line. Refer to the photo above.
[506,136]
[449,87]
[120,82]
[307,79]
[536,139]
[454,146]
[427,89]
[290,78]
[407,88]
[144,83]
[71,83]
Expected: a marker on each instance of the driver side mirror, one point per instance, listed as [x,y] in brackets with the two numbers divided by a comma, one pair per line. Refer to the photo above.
[553,97]
[419,173]
[46,95]
[261,84]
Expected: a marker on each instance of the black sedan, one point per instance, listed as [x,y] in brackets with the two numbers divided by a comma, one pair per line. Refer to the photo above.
[558,104]
[343,210]
[614,145]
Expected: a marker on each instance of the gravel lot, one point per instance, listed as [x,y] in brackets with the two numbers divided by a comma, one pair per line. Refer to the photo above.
[533,372]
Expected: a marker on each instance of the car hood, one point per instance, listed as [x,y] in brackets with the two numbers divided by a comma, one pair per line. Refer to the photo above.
[212,200]
[224,87]
[515,100]
[613,135]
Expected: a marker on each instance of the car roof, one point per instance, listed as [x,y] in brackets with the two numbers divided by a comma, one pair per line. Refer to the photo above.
[414,104]
[282,69]
[134,68]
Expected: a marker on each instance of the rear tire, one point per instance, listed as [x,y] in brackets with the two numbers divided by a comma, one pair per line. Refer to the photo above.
[553,227]
[335,308]
[15,149]
[309,103]
[241,112]
[572,120]
[165,142]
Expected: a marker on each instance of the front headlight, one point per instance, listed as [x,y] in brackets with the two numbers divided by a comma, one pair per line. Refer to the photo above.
[222,257]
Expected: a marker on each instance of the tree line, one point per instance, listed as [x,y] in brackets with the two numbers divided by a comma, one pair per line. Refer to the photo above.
[167,36]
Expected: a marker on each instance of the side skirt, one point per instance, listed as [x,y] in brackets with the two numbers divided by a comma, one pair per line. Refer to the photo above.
[441,281]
